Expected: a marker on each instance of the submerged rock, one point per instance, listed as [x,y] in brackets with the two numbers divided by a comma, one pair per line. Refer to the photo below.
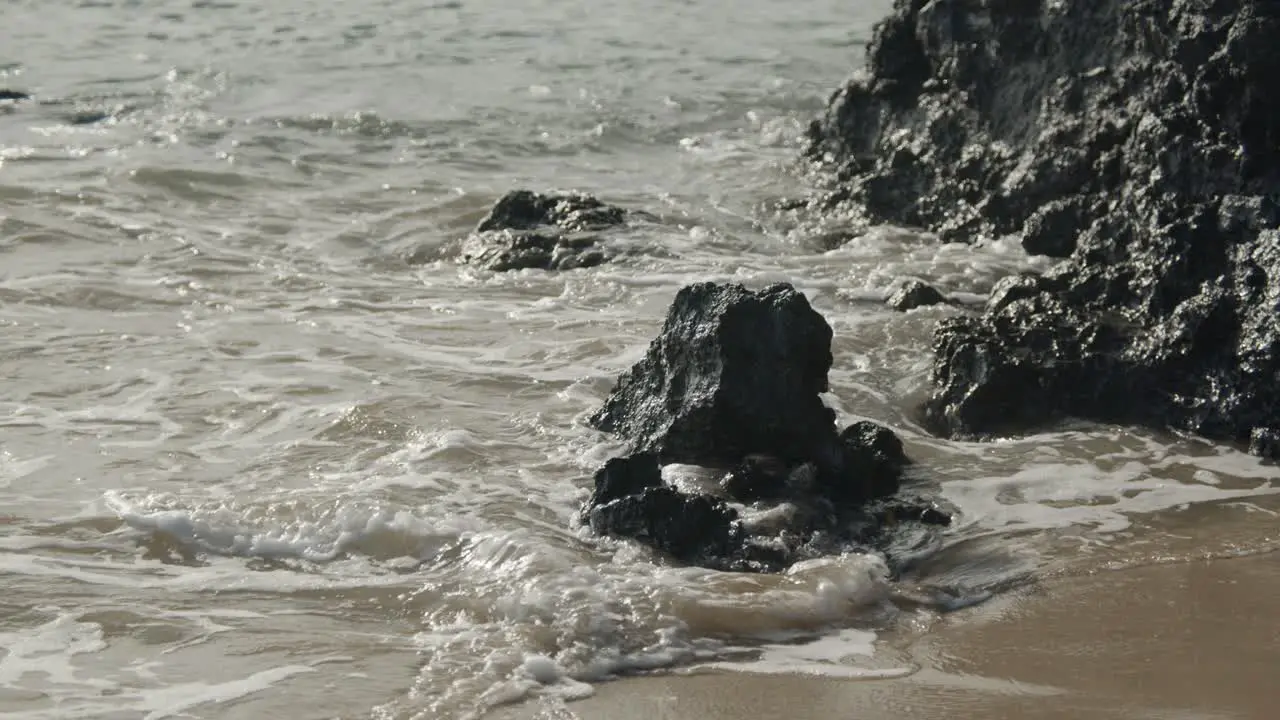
[1140,142]
[13,95]
[913,294]
[527,210]
[508,250]
[733,380]
[528,230]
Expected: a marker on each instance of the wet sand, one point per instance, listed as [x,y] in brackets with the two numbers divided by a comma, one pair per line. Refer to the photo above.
[1198,639]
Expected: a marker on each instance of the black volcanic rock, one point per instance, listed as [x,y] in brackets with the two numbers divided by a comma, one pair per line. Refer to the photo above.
[1140,142]
[807,515]
[507,250]
[689,528]
[873,463]
[1052,230]
[756,477]
[732,373]
[625,476]
[528,230]
[913,294]
[527,210]
[1013,288]
[733,380]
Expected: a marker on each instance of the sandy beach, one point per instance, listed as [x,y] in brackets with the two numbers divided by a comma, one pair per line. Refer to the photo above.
[1197,639]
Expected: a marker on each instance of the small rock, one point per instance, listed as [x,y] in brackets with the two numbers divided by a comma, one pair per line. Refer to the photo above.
[896,510]
[527,210]
[531,231]
[832,239]
[508,250]
[88,117]
[873,462]
[913,294]
[13,95]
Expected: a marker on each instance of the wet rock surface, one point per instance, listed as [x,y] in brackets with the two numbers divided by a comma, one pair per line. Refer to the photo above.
[732,373]
[509,250]
[801,520]
[528,230]
[690,528]
[1266,443]
[527,210]
[913,294]
[1138,141]
[13,95]
[733,381]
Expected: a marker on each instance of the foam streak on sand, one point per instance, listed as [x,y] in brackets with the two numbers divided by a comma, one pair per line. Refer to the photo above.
[49,673]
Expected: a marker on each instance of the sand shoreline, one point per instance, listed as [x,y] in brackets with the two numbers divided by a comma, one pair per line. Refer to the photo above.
[1195,639]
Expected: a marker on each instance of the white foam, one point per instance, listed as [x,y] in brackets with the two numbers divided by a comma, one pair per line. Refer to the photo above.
[542,668]
[47,652]
[1045,495]
[177,699]
[221,530]
[540,622]
[833,655]
[71,667]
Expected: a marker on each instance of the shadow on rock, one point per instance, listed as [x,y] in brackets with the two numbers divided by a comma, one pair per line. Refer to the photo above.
[733,381]
[1140,142]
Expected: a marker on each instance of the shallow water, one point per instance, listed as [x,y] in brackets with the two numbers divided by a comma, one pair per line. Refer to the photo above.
[267,448]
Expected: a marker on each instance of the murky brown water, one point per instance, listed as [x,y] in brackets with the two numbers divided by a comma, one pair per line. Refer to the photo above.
[267,450]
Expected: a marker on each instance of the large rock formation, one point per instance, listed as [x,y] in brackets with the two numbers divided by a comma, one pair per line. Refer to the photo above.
[528,230]
[733,381]
[1140,141]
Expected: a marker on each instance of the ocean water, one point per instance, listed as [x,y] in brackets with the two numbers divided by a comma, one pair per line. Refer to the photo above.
[268,450]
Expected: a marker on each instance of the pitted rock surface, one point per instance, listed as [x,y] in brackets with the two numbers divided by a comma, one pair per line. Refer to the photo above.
[528,230]
[1140,142]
